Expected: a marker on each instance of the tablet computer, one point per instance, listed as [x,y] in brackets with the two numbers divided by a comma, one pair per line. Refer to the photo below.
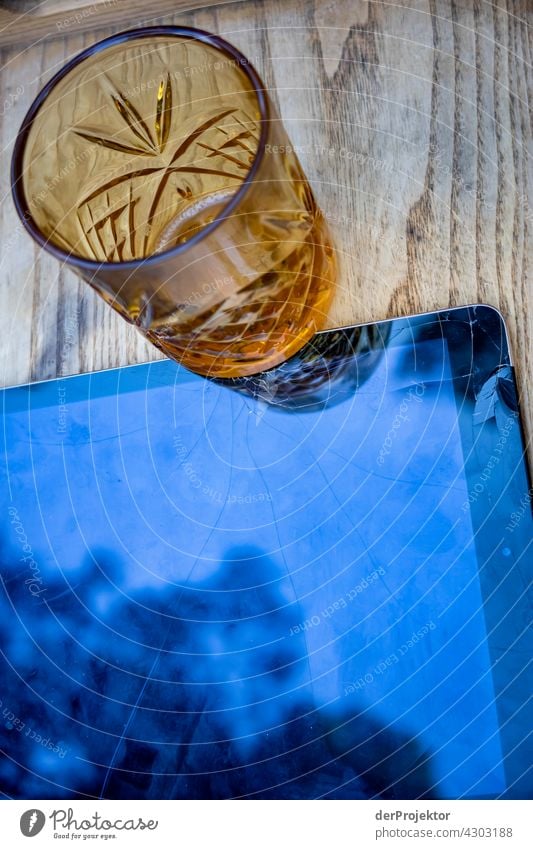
[311,583]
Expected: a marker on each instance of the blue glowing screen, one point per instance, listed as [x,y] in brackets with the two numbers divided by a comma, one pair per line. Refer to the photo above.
[306,585]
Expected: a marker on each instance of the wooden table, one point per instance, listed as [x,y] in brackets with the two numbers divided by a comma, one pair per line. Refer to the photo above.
[414,126]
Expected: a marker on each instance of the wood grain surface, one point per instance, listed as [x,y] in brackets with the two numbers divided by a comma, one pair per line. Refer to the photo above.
[413,124]
[29,22]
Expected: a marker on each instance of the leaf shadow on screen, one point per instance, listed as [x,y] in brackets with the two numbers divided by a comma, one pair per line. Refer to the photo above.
[193,691]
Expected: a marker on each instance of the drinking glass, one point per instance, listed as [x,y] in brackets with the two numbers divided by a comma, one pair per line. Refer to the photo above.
[155,165]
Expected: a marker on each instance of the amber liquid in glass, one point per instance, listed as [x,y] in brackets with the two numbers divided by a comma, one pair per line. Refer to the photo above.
[138,150]
[266,320]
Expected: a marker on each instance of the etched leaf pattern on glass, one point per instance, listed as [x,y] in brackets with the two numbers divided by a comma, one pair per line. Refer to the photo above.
[218,151]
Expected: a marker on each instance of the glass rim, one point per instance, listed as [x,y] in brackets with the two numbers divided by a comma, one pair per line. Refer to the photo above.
[17,171]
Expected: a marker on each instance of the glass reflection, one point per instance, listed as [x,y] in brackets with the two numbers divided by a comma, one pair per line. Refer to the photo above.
[325,372]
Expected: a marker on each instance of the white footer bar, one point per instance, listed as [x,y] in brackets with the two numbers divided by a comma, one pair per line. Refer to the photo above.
[268,824]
